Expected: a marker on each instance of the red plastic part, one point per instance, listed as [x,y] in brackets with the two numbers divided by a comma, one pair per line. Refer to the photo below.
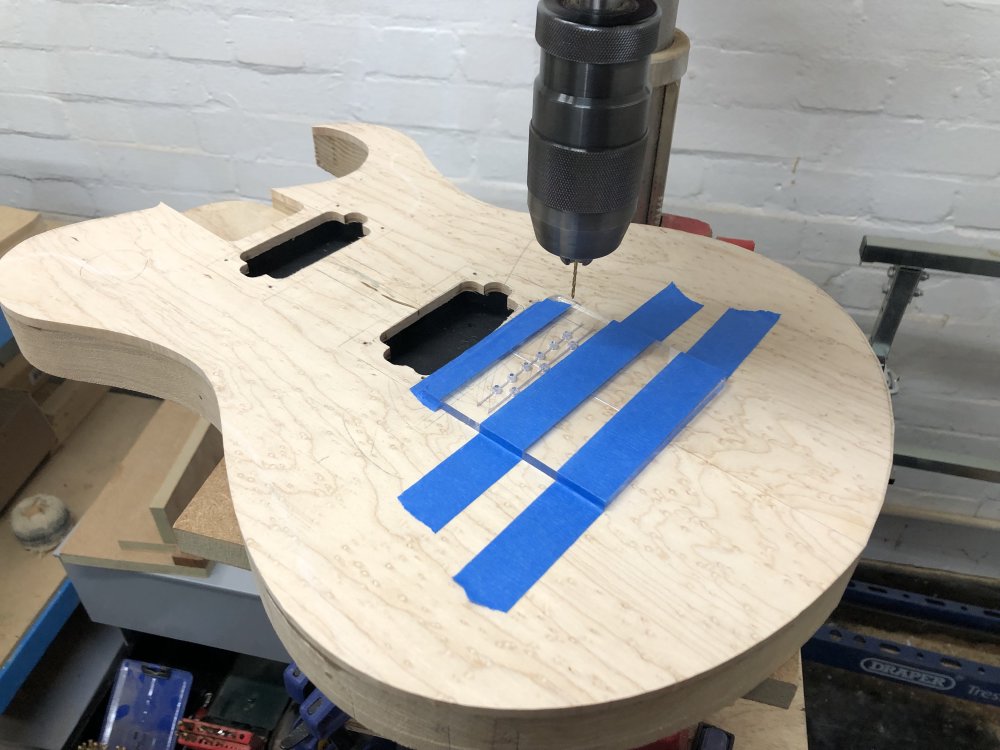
[679,741]
[702,229]
[201,735]
[745,244]
[686,224]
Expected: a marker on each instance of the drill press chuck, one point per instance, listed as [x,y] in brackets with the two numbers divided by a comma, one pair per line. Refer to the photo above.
[589,122]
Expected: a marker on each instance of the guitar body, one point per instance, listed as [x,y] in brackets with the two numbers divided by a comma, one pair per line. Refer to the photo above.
[709,569]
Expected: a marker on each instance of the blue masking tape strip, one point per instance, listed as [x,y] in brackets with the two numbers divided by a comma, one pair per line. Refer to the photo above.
[639,431]
[547,401]
[437,386]
[451,486]
[501,574]
[550,399]
[663,313]
[735,334]
[511,564]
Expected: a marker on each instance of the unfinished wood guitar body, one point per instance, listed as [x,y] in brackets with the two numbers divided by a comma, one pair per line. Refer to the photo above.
[705,574]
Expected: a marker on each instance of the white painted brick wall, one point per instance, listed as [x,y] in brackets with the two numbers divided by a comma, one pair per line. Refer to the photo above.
[802,125]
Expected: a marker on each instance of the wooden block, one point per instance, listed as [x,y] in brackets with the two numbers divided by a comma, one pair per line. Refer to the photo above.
[208,526]
[16,225]
[200,453]
[76,473]
[189,561]
[121,512]
[69,404]
[25,440]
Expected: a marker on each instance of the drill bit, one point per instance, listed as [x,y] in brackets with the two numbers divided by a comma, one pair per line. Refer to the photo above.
[572,291]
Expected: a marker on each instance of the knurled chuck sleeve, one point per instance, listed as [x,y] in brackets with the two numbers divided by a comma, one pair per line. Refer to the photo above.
[559,32]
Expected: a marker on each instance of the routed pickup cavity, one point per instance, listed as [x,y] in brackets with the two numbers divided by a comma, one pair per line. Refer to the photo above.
[292,255]
[454,323]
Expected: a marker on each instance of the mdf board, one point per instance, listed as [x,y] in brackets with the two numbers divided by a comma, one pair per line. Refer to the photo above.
[208,528]
[715,563]
[194,462]
[121,512]
[75,474]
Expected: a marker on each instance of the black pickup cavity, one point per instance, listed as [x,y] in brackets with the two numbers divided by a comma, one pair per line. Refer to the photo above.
[447,327]
[292,255]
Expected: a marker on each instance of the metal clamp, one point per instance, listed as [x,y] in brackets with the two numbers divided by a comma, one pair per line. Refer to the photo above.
[909,261]
[902,288]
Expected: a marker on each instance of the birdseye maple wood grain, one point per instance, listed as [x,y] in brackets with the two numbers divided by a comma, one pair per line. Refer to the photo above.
[703,576]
